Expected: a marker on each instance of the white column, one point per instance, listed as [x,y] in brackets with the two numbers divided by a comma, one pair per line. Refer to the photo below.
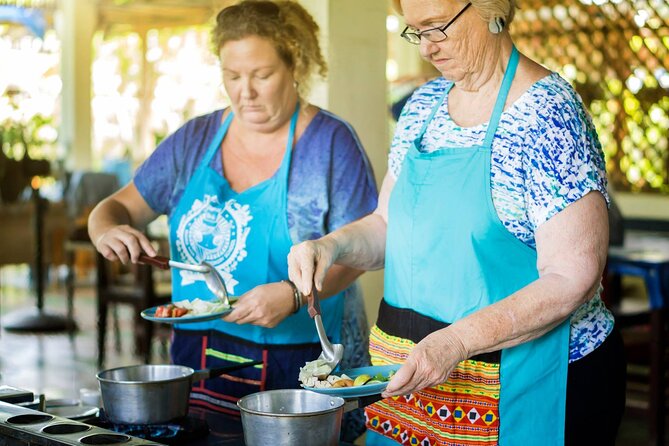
[75,23]
[353,38]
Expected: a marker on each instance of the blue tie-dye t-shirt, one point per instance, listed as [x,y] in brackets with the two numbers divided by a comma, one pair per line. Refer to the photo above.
[330,184]
[545,155]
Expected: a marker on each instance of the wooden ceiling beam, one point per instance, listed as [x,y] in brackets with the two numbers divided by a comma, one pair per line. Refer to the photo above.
[154,16]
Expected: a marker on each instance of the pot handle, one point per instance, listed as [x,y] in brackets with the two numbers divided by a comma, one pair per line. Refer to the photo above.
[357,403]
[212,373]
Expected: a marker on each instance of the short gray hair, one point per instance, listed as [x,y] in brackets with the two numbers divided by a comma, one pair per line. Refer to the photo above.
[487,9]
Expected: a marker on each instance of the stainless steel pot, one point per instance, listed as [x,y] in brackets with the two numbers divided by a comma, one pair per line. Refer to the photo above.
[152,394]
[291,417]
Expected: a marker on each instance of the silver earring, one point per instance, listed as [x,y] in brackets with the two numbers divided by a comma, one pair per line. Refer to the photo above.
[295,84]
[496,25]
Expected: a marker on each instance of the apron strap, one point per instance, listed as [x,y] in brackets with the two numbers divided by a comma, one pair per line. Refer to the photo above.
[434,111]
[223,129]
[509,74]
[501,98]
[216,142]
[285,164]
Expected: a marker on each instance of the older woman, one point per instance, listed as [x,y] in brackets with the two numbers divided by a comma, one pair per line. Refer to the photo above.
[492,228]
[240,186]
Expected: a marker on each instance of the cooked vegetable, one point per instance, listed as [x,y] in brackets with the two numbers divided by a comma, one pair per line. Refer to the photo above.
[343,383]
[310,379]
[361,380]
[196,307]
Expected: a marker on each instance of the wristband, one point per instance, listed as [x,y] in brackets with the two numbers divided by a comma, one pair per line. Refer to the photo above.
[297,296]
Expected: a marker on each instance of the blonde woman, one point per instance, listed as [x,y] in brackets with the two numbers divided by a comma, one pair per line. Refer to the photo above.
[240,186]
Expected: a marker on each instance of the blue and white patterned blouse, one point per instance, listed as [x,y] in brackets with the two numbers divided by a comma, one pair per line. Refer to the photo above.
[545,155]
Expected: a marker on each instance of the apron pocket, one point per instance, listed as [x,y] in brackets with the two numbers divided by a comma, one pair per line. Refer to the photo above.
[464,410]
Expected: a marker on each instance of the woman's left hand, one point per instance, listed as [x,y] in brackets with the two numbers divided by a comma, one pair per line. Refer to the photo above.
[430,362]
[265,305]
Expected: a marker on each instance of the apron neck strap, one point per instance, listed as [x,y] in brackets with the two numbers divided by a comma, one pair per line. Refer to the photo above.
[216,142]
[509,74]
[501,97]
[433,112]
[223,129]
[291,138]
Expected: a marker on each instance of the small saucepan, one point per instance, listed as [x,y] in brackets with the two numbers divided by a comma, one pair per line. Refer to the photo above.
[152,394]
[295,417]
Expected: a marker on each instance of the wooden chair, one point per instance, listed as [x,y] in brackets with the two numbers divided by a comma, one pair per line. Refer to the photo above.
[653,268]
[137,288]
[83,190]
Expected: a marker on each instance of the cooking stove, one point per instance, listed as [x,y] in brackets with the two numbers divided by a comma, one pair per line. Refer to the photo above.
[175,432]
[22,426]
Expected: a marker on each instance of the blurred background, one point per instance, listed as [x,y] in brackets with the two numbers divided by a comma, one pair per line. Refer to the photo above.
[88,88]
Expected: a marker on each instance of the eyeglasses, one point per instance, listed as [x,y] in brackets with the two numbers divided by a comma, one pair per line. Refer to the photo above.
[432,34]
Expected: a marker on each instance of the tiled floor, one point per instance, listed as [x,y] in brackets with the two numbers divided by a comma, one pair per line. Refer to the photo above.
[59,365]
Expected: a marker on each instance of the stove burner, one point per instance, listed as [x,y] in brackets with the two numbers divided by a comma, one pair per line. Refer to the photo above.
[175,432]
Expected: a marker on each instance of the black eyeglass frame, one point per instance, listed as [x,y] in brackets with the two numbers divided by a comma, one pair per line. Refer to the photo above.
[414,37]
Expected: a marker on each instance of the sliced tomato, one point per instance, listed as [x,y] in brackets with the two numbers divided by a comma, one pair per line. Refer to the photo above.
[178,312]
[164,310]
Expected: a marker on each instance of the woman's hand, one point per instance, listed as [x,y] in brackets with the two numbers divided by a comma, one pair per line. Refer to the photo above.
[112,223]
[308,263]
[123,243]
[265,305]
[430,363]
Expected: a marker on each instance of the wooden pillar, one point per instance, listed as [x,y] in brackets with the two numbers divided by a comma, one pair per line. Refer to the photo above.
[353,38]
[76,22]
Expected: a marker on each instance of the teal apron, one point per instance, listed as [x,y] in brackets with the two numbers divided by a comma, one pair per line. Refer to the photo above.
[245,236]
[447,256]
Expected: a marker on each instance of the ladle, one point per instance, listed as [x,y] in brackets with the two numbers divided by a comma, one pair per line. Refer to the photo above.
[332,353]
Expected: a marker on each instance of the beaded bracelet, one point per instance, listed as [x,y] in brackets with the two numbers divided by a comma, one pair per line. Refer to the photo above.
[297,296]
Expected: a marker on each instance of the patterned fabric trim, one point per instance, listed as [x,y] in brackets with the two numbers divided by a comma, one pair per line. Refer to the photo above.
[462,411]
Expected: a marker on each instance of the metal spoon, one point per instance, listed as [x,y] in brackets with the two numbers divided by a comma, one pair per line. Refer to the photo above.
[332,353]
[166,263]
[211,276]
[215,283]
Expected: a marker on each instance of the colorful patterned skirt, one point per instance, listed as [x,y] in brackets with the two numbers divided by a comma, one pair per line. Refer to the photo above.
[462,411]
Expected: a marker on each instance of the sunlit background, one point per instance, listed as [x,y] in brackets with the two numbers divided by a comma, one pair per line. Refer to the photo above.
[146,83]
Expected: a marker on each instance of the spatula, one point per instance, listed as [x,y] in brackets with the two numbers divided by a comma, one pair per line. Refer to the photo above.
[332,353]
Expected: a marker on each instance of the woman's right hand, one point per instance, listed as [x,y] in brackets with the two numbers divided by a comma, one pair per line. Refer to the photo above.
[124,243]
[308,263]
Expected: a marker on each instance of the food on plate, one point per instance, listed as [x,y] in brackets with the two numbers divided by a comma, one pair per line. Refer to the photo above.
[170,310]
[317,369]
[314,374]
[195,307]
[343,382]
[361,380]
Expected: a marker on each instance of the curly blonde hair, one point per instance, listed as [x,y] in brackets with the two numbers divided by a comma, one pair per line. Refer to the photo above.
[287,25]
